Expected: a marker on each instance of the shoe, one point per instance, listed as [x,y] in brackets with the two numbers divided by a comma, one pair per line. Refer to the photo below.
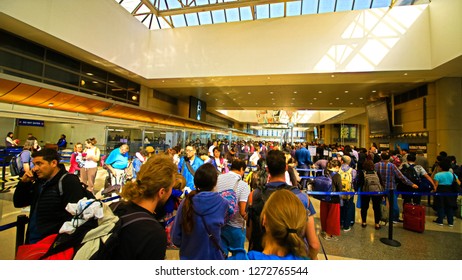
[347,229]
[450,225]
[377,227]
[438,223]
[330,238]
[364,225]
[398,221]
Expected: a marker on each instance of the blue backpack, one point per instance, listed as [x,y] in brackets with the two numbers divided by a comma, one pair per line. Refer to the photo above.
[323,184]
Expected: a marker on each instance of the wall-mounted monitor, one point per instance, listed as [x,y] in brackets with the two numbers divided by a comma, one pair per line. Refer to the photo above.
[197,109]
[315,132]
[378,115]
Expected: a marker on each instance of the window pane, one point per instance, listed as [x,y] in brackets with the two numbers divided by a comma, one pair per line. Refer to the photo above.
[262,11]
[21,46]
[20,63]
[362,4]
[205,18]
[309,7]
[62,60]
[92,85]
[93,72]
[345,5]
[294,8]
[326,6]
[277,10]
[61,75]
[381,3]
[178,21]
[232,15]
[218,16]
[246,13]
[192,19]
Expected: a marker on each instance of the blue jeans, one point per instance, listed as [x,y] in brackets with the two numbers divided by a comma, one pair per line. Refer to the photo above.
[232,238]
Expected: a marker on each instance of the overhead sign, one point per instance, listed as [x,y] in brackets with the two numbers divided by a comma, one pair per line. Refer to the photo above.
[23,122]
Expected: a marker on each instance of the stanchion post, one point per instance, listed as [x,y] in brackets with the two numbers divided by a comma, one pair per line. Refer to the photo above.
[21,222]
[389,240]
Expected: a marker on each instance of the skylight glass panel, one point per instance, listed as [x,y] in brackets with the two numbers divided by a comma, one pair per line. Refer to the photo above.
[205,18]
[192,19]
[381,3]
[143,9]
[173,4]
[232,15]
[362,4]
[309,7]
[294,8]
[344,5]
[201,2]
[162,5]
[246,13]
[262,11]
[326,6]
[218,16]
[130,5]
[277,10]
[178,21]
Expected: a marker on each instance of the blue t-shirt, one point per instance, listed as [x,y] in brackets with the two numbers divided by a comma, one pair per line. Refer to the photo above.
[445,178]
[117,160]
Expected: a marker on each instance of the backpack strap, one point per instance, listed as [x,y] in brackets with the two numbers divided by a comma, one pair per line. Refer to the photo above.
[214,240]
[134,217]
[188,165]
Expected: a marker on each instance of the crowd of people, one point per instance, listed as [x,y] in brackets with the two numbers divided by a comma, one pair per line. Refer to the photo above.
[205,206]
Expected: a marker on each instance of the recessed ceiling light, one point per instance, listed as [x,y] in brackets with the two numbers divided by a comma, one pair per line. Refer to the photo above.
[351,103]
[50,104]
[320,91]
[227,93]
[291,103]
[207,93]
[311,103]
[163,81]
[90,74]
[374,91]
[295,92]
[361,98]
[314,98]
[271,92]
[249,92]
[216,99]
[234,98]
[405,74]
[274,103]
[337,98]
[346,91]
[273,99]
[330,103]
[269,78]
[293,98]
[332,76]
[95,82]
[256,103]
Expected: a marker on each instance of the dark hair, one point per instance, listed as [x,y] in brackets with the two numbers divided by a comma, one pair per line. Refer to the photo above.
[261,163]
[9,133]
[384,156]
[411,157]
[276,162]
[205,179]
[443,154]
[237,164]
[368,165]
[47,154]
[216,148]
[445,164]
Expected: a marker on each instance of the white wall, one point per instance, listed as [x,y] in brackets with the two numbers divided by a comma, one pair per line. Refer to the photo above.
[367,40]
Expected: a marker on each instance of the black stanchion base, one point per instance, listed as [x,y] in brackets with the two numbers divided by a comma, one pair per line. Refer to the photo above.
[390,242]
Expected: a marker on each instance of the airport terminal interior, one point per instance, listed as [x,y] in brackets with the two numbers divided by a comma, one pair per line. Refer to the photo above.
[165,73]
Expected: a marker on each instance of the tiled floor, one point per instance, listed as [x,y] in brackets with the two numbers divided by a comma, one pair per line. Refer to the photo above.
[436,243]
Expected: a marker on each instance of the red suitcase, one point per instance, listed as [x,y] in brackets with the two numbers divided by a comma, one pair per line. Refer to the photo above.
[414,217]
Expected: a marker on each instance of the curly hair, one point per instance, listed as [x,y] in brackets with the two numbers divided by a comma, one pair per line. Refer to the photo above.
[157,173]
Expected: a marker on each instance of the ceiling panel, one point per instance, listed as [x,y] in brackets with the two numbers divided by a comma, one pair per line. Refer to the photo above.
[19,94]
[6,86]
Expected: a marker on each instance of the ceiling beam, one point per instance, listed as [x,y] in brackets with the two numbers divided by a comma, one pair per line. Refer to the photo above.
[218,6]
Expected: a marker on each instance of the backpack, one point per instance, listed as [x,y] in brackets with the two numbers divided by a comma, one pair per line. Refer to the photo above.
[96,239]
[258,179]
[16,166]
[347,181]
[88,194]
[372,182]
[323,184]
[410,173]
[231,196]
[257,200]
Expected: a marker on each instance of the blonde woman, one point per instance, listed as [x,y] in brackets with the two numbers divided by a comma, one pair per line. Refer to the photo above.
[284,218]
[91,156]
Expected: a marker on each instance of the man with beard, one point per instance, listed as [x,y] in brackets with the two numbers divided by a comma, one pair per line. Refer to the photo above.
[145,239]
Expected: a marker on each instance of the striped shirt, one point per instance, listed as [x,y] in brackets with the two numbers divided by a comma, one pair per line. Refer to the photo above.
[388,172]
[228,181]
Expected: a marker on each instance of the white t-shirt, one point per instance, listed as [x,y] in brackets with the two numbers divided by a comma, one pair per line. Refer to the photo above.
[211,150]
[226,182]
